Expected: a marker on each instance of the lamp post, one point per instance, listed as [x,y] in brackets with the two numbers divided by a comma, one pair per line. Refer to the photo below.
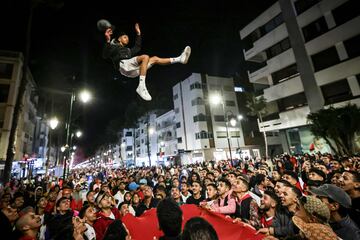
[53,123]
[84,97]
[216,100]
[149,132]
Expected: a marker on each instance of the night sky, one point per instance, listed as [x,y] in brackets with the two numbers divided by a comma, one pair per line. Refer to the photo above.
[66,49]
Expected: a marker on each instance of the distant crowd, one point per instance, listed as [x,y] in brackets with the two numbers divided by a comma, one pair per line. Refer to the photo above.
[288,197]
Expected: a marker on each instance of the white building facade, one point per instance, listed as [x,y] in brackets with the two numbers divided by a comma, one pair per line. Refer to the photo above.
[307,54]
[202,128]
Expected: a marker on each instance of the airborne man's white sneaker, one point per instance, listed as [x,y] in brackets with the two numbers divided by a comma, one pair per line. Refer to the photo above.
[143,92]
[185,55]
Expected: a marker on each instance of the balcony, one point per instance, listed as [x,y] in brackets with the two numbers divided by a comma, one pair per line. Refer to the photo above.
[259,76]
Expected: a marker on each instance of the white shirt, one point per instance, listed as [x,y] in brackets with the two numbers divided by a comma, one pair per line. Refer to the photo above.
[120,197]
[90,232]
[184,198]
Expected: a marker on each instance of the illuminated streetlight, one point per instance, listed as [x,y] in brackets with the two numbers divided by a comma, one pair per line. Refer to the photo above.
[151,130]
[74,147]
[78,134]
[85,96]
[240,117]
[63,148]
[162,143]
[53,122]
[233,122]
[215,99]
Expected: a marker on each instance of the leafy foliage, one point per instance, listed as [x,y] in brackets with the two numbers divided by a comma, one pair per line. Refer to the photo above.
[337,126]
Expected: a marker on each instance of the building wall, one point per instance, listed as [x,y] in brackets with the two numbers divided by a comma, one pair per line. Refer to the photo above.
[330,33]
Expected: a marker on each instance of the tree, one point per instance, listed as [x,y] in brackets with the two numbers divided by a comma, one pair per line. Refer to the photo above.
[337,126]
[257,107]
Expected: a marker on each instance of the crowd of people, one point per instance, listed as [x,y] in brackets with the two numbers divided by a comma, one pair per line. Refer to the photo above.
[288,197]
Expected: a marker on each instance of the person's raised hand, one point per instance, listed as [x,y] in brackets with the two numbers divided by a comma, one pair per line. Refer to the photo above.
[137,29]
[108,34]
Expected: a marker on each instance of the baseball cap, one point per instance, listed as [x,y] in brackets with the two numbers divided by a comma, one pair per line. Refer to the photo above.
[334,192]
[316,207]
[314,231]
[143,181]
[133,186]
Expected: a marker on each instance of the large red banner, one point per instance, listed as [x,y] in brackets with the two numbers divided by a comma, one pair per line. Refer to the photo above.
[146,226]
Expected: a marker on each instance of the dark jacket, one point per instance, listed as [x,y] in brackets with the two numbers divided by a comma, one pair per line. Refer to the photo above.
[346,229]
[115,52]
[60,226]
[6,227]
[282,224]
[142,207]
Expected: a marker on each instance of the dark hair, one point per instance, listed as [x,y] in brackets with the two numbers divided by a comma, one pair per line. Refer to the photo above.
[292,174]
[212,185]
[296,191]
[123,203]
[355,175]
[198,228]
[169,216]
[59,201]
[273,196]
[224,180]
[83,210]
[285,182]
[259,178]
[115,230]
[87,194]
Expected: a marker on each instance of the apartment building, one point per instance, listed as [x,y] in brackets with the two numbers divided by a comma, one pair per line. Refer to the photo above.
[307,57]
[10,77]
[203,127]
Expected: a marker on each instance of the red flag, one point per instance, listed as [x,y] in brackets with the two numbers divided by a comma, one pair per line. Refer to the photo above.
[146,226]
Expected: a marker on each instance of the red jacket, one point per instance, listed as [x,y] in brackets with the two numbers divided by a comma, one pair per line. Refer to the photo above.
[102,222]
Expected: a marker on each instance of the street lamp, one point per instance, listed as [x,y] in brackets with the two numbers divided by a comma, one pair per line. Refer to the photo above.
[216,99]
[85,96]
[53,123]
[150,132]
[78,134]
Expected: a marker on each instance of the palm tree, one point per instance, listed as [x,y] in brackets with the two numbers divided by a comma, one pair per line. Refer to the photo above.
[339,125]
[257,107]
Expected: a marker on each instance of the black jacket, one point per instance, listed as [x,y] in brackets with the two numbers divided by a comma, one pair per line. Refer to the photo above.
[115,52]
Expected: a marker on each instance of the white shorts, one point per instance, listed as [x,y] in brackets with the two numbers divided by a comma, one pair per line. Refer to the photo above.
[130,67]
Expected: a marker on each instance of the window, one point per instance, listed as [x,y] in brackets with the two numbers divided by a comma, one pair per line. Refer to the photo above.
[129,148]
[272,24]
[291,102]
[303,5]
[230,103]
[200,118]
[352,46]
[346,12]
[203,135]
[315,29]
[6,70]
[219,118]
[178,125]
[4,92]
[176,96]
[228,88]
[234,134]
[197,101]
[284,74]
[179,140]
[214,87]
[195,85]
[336,92]
[248,41]
[278,48]
[221,134]
[176,110]
[325,59]
[142,141]
[128,134]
